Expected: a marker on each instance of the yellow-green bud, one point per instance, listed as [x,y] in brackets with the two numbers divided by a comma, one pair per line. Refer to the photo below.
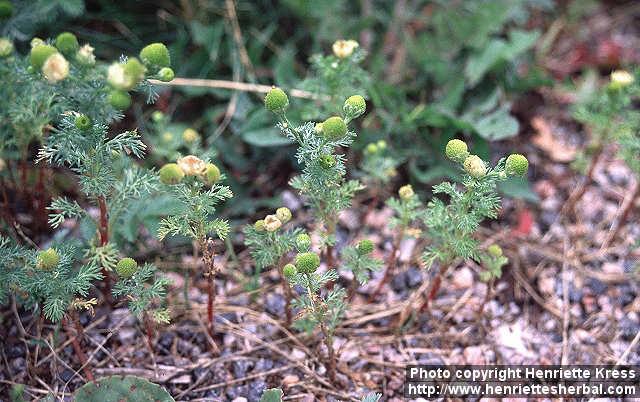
[621,79]
[371,148]
[334,128]
[6,9]
[303,242]
[85,56]
[39,54]
[289,271]
[516,165]
[157,116]
[259,225]
[190,135]
[276,100]
[365,247]
[47,259]
[155,56]
[166,74]
[382,145]
[354,106]
[457,150]
[134,72]
[272,223]
[126,267]
[494,250]
[6,47]
[120,100]
[171,174]
[55,68]
[284,214]
[475,166]
[36,42]
[327,161]
[67,43]
[307,263]
[211,174]
[405,192]
[83,122]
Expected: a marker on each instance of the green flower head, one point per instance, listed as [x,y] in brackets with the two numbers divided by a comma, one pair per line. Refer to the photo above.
[166,74]
[475,166]
[284,214]
[47,259]
[371,149]
[134,71]
[259,225]
[126,267]
[365,247]
[494,250]
[405,192]
[289,271]
[171,174]
[211,174]
[155,56]
[457,150]
[327,161]
[307,263]
[303,242]
[120,100]
[334,128]
[83,122]
[67,43]
[276,100]
[354,106]
[6,47]
[39,54]
[516,165]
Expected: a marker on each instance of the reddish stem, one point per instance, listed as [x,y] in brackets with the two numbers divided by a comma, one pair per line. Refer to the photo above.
[624,215]
[76,344]
[433,290]
[149,331]
[103,231]
[211,290]
[391,267]
[286,290]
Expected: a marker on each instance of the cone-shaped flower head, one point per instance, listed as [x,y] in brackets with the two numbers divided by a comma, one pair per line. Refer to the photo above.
[6,47]
[166,74]
[259,225]
[284,214]
[516,165]
[190,135]
[334,128]
[171,174]
[67,43]
[365,246]
[39,54]
[272,223]
[211,174]
[475,166]
[55,68]
[303,242]
[621,79]
[134,72]
[83,122]
[354,106]
[494,250]
[405,192]
[344,48]
[85,56]
[307,263]
[457,150]
[289,271]
[120,100]
[192,165]
[126,267]
[155,56]
[371,148]
[276,100]
[47,259]
[327,161]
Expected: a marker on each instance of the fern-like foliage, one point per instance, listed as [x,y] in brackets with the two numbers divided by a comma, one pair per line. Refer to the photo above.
[145,292]
[452,224]
[361,264]
[265,247]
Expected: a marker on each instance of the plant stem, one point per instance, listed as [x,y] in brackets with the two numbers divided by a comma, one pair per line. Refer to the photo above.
[328,340]
[433,289]
[579,191]
[148,326]
[625,210]
[103,231]
[391,265]
[76,343]
[286,290]
[208,255]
